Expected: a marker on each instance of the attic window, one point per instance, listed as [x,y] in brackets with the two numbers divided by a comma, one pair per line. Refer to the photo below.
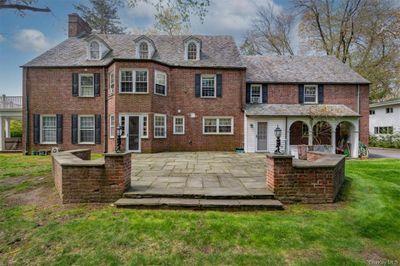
[192,51]
[143,50]
[94,50]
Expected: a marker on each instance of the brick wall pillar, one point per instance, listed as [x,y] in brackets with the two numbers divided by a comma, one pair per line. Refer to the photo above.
[117,175]
[279,168]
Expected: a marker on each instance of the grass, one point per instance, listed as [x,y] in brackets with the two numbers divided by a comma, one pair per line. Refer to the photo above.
[365,227]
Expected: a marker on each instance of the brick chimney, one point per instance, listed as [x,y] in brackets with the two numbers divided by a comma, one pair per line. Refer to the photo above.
[77,26]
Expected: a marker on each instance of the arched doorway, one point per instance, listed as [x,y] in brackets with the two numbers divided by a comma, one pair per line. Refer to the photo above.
[344,138]
[322,133]
[299,133]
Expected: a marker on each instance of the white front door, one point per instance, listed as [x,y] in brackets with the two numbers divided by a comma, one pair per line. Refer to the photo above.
[262,132]
[133,136]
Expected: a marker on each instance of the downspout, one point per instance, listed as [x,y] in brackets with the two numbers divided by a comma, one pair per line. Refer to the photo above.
[358,109]
[25,93]
[105,111]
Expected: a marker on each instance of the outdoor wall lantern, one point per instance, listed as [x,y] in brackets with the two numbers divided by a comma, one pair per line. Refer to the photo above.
[251,125]
[278,133]
[119,132]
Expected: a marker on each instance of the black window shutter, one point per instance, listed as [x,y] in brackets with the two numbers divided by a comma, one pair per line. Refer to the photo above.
[264,93]
[248,93]
[301,93]
[98,129]
[219,85]
[320,93]
[197,81]
[59,128]
[75,84]
[74,131]
[96,84]
[36,129]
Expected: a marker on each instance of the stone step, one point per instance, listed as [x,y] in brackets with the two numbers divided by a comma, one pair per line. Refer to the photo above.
[211,194]
[200,204]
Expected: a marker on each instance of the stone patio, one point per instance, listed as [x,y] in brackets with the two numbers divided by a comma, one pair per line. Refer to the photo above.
[199,174]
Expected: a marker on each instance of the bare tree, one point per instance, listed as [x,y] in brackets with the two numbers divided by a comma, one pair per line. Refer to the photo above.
[169,21]
[270,33]
[22,6]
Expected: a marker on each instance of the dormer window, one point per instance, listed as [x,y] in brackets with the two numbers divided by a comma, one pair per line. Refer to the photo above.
[94,50]
[192,51]
[143,50]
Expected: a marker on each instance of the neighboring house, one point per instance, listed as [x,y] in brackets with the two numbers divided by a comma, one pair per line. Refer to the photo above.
[184,93]
[10,109]
[384,117]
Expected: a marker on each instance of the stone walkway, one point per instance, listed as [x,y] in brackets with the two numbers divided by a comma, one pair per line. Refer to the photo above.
[199,174]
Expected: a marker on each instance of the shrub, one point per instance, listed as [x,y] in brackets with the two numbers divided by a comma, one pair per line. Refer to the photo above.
[385,141]
[16,128]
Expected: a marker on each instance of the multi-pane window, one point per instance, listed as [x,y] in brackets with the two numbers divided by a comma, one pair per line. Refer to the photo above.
[376,130]
[255,94]
[86,85]
[126,81]
[371,112]
[160,126]
[310,94]
[49,129]
[217,125]
[111,87]
[94,50]
[86,129]
[160,83]
[208,86]
[112,126]
[144,127]
[143,50]
[383,130]
[192,51]
[179,125]
[141,81]
[389,110]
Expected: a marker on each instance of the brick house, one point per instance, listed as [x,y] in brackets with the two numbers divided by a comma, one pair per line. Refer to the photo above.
[183,93]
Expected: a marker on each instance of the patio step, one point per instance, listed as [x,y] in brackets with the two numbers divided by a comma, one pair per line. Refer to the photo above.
[199,204]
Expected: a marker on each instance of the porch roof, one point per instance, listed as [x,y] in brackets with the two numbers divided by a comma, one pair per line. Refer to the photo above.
[324,110]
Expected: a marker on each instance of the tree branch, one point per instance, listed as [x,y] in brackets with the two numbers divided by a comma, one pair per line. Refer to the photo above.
[24,7]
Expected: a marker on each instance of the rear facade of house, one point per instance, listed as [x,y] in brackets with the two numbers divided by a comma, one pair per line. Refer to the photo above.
[185,93]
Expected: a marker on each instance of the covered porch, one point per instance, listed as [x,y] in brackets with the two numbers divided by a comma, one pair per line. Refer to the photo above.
[10,109]
[322,127]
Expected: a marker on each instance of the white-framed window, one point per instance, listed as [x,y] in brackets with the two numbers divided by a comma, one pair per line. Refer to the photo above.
[208,87]
[94,48]
[218,125]
[371,112]
[310,93]
[179,125]
[145,127]
[384,130]
[389,110]
[112,126]
[255,93]
[143,50]
[86,129]
[160,84]
[111,85]
[48,129]
[86,85]
[134,81]
[160,126]
[192,51]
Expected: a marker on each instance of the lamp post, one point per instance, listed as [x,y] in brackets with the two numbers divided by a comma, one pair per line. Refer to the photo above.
[119,132]
[278,133]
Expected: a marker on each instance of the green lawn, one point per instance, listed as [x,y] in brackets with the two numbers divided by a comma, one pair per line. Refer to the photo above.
[365,226]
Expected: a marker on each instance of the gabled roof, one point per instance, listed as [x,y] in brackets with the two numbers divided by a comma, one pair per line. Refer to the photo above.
[385,103]
[217,51]
[312,110]
[300,69]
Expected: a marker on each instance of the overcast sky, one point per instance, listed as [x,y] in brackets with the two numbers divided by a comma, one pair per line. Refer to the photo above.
[24,38]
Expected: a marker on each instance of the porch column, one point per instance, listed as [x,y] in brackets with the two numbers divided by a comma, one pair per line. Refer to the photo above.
[7,127]
[1,134]
[310,134]
[333,138]
[354,149]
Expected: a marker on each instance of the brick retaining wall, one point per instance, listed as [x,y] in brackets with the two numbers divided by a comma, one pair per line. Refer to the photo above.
[79,179]
[315,180]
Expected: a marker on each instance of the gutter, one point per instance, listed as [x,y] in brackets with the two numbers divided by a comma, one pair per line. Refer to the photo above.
[105,110]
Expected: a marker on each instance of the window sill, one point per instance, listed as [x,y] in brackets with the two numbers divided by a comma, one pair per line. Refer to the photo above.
[123,92]
[164,137]
[179,134]
[112,137]
[86,143]
[208,97]
[86,96]
[310,103]
[160,94]
[218,134]
[48,143]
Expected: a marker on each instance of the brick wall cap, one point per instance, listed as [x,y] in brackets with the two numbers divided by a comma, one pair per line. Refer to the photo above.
[324,162]
[116,154]
[281,156]
[67,158]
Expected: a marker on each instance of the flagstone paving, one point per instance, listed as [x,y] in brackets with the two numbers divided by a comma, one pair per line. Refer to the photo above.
[199,173]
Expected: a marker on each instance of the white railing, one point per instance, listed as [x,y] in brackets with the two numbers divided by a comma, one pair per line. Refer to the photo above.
[10,102]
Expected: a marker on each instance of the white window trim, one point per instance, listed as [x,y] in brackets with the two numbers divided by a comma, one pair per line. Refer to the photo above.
[197,50]
[155,82]
[79,129]
[41,130]
[109,83]
[80,89]
[316,94]
[133,70]
[218,133]
[165,126]
[90,51]
[142,122]
[150,50]
[112,127]
[215,85]
[251,92]
[119,124]
[183,125]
